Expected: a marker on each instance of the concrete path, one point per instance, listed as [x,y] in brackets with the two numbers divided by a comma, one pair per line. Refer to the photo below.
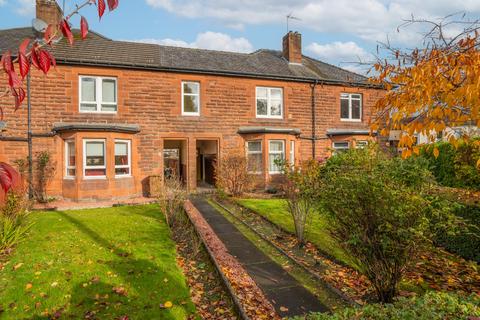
[284,291]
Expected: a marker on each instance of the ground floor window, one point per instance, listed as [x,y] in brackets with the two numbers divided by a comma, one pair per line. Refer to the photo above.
[122,158]
[70,161]
[94,162]
[360,144]
[276,154]
[340,146]
[254,156]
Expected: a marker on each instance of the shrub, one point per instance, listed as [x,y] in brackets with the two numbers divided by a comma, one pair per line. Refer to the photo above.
[300,188]
[232,175]
[431,306]
[466,243]
[13,223]
[44,172]
[171,197]
[379,213]
[455,167]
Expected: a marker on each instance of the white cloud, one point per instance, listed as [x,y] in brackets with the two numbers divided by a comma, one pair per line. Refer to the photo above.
[208,40]
[370,20]
[3,2]
[25,7]
[342,51]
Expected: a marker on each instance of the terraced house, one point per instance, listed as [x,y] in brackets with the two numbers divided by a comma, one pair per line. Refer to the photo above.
[113,113]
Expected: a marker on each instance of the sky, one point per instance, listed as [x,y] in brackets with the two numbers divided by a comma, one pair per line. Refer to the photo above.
[341,32]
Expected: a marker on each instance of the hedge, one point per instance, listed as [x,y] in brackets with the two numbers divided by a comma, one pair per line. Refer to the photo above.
[431,306]
[467,243]
[455,167]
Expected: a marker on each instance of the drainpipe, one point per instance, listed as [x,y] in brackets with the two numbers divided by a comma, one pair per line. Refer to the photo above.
[29,139]
[314,119]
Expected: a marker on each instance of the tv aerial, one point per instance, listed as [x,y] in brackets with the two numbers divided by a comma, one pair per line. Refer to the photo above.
[290,16]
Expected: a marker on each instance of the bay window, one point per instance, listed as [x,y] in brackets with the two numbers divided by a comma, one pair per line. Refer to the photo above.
[254,156]
[94,159]
[70,161]
[122,158]
[276,154]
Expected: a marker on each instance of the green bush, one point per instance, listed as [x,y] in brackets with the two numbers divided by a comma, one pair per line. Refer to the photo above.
[466,243]
[431,306]
[379,212]
[455,167]
[13,223]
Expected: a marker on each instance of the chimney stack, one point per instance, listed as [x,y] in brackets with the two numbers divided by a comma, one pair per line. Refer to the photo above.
[292,47]
[48,11]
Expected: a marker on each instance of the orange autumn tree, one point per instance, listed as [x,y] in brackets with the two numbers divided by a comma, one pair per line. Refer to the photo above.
[432,88]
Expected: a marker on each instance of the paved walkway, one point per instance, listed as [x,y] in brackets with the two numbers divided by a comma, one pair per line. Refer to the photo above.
[278,286]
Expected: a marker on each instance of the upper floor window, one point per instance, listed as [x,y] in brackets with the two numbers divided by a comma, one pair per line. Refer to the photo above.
[269,103]
[254,156]
[276,154]
[70,161]
[351,107]
[190,98]
[98,94]
[94,162]
[122,158]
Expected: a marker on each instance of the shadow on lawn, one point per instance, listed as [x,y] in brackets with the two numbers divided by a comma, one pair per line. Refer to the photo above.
[100,300]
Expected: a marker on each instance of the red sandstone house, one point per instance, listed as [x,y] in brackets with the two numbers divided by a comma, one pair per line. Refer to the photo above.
[113,114]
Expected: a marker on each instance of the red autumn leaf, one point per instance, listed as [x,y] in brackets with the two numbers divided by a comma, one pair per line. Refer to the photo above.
[48,33]
[66,31]
[23,46]
[24,64]
[83,27]
[19,97]
[112,4]
[44,61]
[101,8]
[13,80]
[35,59]
[9,177]
[7,62]
[53,61]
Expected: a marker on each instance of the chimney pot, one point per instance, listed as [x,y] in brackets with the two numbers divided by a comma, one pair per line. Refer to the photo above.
[48,11]
[292,47]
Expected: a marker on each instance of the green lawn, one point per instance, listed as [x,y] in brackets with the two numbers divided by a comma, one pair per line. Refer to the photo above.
[99,263]
[275,210]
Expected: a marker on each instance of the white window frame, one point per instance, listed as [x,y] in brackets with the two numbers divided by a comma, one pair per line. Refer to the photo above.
[292,153]
[343,96]
[129,166]
[269,104]
[186,113]
[85,141]
[275,152]
[67,166]
[357,146]
[248,152]
[98,95]
[335,149]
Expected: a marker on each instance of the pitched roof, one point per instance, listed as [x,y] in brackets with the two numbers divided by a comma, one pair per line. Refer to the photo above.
[99,50]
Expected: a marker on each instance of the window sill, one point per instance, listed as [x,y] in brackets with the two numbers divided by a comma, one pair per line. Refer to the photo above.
[95,178]
[269,118]
[351,120]
[69,178]
[187,114]
[123,176]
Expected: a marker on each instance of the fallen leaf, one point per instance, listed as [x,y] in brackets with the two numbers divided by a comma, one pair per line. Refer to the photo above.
[54,284]
[28,286]
[18,266]
[283,309]
[168,304]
